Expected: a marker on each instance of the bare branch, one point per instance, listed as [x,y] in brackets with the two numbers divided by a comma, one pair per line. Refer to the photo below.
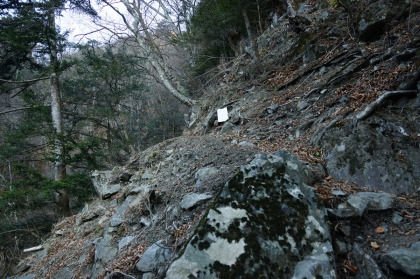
[23,81]
[19,109]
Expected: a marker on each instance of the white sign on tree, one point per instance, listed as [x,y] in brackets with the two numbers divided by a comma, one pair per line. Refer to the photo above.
[222,115]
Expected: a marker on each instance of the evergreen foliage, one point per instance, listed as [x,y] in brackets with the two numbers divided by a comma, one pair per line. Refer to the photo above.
[217,26]
[31,190]
[101,92]
[20,31]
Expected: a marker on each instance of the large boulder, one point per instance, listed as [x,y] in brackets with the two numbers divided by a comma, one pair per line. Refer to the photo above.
[377,16]
[105,251]
[104,184]
[407,260]
[357,204]
[367,267]
[120,214]
[375,153]
[154,257]
[266,223]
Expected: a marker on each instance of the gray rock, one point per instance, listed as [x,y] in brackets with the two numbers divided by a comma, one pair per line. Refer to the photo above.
[272,109]
[192,200]
[94,213]
[318,264]
[102,182]
[149,275]
[118,218]
[147,175]
[125,176]
[204,174]
[367,268]
[105,251]
[302,105]
[116,221]
[227,128]
[211,117]
[28,276]
[407,260]
[64,273]
[373,20]
[193,117]
[246,143]
[320,169]
[397,218]
[154,257]
[338,193]
[145,221]
[358,204]
[303,8]
[346,230]
[142,190]
[367,155]
[234,241]
[175,212]
[124,242]
[340,247]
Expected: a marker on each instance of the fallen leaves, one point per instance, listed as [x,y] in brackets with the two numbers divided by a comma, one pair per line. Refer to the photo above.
[350,266]
[374,245]
[379,230]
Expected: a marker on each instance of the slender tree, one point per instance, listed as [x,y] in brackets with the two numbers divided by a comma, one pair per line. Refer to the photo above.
[42,14]
[251,36]
[149,45]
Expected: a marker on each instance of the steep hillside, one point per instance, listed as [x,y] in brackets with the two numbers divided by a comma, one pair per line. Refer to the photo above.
[315,174]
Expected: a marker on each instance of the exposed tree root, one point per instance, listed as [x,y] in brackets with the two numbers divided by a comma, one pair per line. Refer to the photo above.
[371,107]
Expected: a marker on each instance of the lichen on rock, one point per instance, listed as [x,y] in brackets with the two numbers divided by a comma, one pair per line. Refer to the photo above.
[266,222]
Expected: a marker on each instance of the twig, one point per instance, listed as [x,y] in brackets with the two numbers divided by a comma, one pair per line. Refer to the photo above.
[17,230]
[119,274]
[32,249]
[19,109]
[372,106]
[24,81]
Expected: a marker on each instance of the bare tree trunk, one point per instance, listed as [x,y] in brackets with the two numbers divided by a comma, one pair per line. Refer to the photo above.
[251,36]
[123,130]
[59,165]
[150,50]
[62,199]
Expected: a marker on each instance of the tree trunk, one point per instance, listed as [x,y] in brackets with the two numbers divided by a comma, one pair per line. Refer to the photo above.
[62,199]
[251,36]
[59,165]
[150,50]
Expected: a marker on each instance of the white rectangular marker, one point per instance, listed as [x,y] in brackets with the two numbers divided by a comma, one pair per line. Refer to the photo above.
[222,115]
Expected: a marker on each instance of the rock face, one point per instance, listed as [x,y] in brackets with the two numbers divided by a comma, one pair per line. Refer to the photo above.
[367,267]
[105,251]
[103,185]
[154,258]
[266,223]
[374,20]
[193,199]
[407,260]
[357,204]
[374,154]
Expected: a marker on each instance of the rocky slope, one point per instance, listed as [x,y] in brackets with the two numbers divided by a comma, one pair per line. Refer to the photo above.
[341,198]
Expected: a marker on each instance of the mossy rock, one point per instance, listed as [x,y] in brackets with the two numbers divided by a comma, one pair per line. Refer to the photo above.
[266,223]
